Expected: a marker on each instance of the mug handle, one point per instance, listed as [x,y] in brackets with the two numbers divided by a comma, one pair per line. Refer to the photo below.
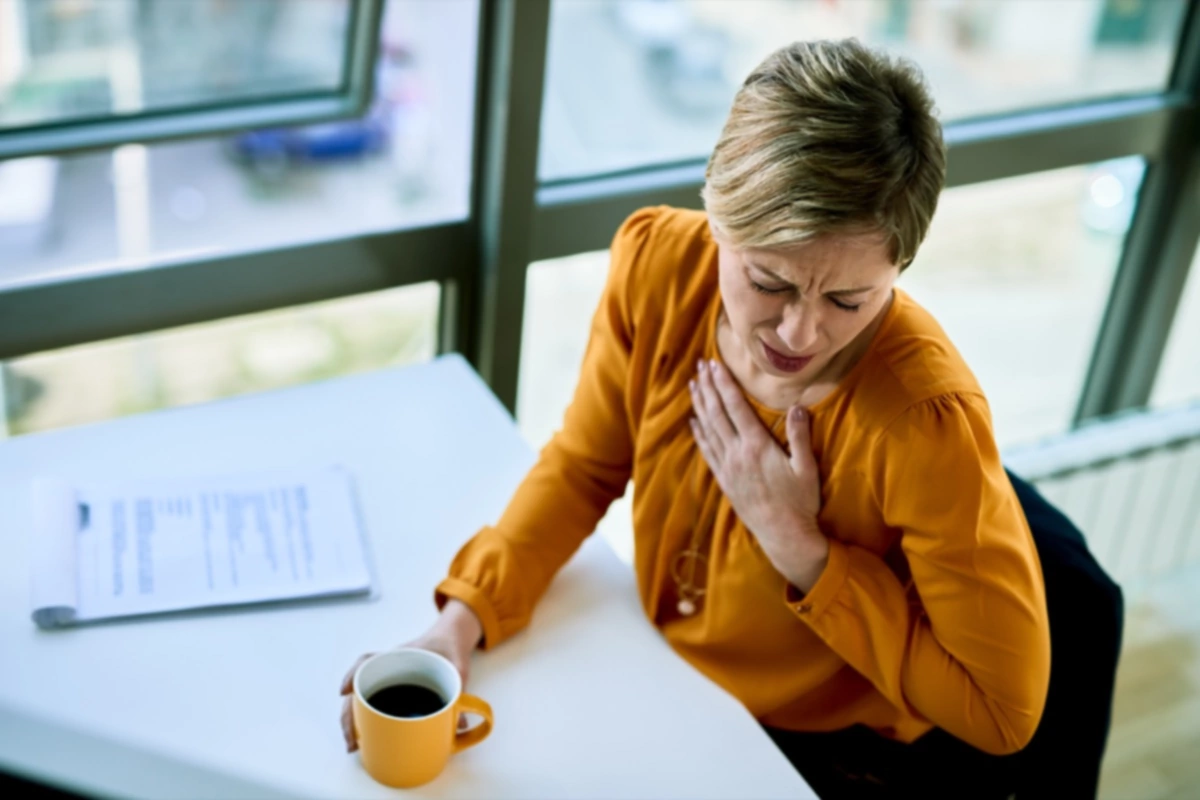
[469,703]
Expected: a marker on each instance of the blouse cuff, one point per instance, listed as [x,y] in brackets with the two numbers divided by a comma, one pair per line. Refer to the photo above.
[809,607]
[477,601]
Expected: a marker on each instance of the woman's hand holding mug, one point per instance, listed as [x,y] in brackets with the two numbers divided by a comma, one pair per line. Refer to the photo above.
[454,636]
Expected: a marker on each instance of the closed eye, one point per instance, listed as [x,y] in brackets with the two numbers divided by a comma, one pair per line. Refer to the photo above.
[758,287]
[845,306]
[768,290]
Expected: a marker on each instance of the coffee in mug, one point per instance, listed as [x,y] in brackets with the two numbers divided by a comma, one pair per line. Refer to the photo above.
[406,700]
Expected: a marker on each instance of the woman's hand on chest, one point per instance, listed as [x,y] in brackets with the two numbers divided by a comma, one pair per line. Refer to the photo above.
[776,496]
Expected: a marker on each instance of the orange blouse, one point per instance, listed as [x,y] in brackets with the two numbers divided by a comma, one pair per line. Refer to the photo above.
[931,609]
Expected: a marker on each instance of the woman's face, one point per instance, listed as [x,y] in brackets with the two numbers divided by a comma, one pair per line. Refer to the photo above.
[795,309]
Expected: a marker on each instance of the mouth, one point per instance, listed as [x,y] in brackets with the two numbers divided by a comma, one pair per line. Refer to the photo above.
[784,363]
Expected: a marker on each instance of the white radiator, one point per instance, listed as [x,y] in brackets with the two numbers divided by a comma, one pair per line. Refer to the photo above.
[1131,484]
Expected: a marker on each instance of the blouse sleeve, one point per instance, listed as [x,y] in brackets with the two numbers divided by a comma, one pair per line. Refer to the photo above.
[504,569]
[966,644]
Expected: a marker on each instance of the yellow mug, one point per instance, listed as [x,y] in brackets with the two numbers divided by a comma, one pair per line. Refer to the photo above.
[408,751]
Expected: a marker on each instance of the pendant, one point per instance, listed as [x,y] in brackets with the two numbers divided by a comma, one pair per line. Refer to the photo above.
[684,570]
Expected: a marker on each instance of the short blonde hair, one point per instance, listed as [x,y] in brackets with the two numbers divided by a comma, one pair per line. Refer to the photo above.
[828,137]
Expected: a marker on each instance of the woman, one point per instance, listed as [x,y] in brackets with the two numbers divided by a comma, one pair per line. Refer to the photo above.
[822,522]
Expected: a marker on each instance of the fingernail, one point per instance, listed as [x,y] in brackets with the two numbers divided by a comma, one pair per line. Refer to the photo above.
[700,365]
[692,386]
[713,363]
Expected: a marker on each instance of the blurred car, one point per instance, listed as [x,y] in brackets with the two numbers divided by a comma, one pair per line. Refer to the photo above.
[331,140]
[271,151]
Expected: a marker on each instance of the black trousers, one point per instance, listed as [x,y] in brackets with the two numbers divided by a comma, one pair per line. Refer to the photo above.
[1086,612]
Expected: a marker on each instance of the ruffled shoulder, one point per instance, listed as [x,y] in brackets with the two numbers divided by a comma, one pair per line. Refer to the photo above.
[938,461]
[659,254]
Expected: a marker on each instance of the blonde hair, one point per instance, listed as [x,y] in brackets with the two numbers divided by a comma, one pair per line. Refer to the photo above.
[828,137]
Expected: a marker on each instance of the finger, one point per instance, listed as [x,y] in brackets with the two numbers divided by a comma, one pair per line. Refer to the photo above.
[715,465]
[702,430]
[703,444]
[799,438]
[741,415]
[464,668]
[348,681]
[348,727]
[700,422]
[717,420]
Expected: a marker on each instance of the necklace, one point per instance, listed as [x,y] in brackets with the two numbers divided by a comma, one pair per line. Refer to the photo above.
[691,562]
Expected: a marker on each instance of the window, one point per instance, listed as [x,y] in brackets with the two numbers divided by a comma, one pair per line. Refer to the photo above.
[81,73]
[405,164]
[638,82]
[1178,379]
[219,359]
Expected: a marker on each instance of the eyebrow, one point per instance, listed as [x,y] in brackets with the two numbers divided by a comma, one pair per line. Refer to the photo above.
[768,272]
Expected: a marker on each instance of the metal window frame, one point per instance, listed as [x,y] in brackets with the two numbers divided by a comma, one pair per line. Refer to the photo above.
[1159,251]
[350,99]
[485,316]
[514,220]
[47,316]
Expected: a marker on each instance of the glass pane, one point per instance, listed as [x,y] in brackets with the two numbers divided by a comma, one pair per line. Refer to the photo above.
[673,66]
[73,60]
[406,163]
[1017,271]
[560,297]
[1178,379]
[199,363]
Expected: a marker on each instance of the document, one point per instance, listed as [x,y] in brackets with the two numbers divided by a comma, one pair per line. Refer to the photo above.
[113,550]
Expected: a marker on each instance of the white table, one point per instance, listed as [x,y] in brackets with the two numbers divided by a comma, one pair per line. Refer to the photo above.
[589,702]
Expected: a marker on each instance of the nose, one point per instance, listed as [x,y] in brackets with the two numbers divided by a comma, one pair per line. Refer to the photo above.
[798,330]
